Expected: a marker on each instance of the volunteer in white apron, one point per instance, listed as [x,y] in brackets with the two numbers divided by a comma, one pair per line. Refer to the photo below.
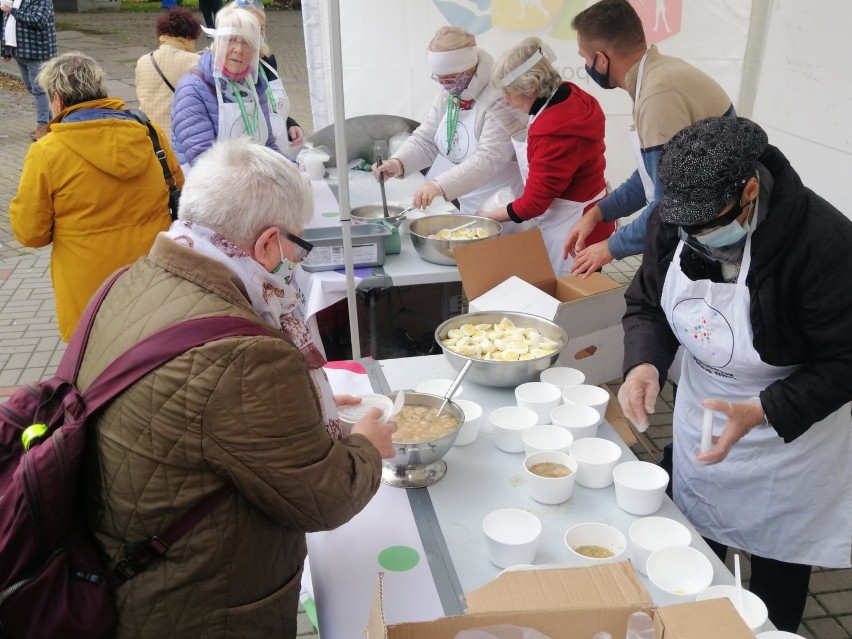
[568,126]
[778,482]
[465,137]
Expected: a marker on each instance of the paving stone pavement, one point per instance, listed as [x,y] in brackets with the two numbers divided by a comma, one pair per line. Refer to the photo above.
[30,347]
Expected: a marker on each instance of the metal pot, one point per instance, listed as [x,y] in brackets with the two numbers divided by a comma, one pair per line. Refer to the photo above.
[441,251]
[376,213]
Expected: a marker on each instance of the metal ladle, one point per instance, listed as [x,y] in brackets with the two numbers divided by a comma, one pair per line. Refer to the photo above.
[382,185]
[455,384]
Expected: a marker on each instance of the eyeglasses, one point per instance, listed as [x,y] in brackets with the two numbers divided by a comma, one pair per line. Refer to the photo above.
[303,247]
[446,78]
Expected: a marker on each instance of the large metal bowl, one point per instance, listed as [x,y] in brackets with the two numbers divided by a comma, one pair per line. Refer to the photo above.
[441,251]
[496,373]
[376,213]
[416,465]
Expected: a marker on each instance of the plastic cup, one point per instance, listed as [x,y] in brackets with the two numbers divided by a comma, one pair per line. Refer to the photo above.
[652,533]
[562,376]
[596,457]
[438,387]
[349,415]
[472,417]
[551,490]
[594,534]
[511,536]
[681,571]
[546,438]
[540,397]
[580,421]
[754,614]
[587,395]
[509,424]
[639,487]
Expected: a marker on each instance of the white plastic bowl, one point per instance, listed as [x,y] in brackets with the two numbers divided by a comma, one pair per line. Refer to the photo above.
[652,533]
[546,438]
[580,421]
[639,486]
[562,376]
[596,457]
[349,415]
[595,534]
[681,571]
[587,395]
[470,427]
[755,613]
[550,490]
[511,536]
[509,423]
[540,397]
[438,387]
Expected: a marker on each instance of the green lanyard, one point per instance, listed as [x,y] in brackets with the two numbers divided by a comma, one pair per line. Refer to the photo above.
[250,128]
[269,95]
[453,108]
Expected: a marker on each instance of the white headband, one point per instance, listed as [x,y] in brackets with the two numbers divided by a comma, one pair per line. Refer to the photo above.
[448,62]
[544,51]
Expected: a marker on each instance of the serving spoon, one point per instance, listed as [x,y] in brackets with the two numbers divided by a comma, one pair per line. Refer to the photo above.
[455,384]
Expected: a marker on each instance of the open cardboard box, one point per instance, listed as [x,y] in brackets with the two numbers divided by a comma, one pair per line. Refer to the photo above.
[513,273]
[573,603]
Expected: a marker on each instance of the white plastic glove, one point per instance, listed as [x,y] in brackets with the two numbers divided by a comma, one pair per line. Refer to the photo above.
[638,394]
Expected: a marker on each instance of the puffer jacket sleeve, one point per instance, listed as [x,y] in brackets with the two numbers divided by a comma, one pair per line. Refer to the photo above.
[31,211]
[195,117]
[262,430]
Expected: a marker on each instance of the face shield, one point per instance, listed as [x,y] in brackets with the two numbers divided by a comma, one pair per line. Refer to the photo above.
[236,47]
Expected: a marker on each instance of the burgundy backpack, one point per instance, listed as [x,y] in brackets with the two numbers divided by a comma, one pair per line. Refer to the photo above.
[53,583]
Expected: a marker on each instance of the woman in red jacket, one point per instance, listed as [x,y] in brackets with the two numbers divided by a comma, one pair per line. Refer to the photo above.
[561,152]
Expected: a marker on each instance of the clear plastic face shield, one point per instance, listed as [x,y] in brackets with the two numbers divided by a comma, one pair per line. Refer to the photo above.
[236,46]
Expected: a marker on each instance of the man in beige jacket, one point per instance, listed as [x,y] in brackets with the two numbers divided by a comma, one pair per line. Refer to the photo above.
[255,412]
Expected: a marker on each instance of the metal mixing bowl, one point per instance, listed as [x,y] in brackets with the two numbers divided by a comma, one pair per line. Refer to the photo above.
[441,251]
[416,465]
[376,213]
[503,374]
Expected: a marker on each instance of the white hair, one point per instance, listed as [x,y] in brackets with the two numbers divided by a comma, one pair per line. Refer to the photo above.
[542,79]
[239,189]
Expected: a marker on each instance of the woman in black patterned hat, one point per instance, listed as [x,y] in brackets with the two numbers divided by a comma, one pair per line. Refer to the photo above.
[749,271]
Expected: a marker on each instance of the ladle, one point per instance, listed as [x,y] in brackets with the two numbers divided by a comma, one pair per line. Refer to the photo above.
[455,384]
[462,226]
[382,186]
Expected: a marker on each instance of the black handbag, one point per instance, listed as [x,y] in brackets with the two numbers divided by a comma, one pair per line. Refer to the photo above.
[171,182]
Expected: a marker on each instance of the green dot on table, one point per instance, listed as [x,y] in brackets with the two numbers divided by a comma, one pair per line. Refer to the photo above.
[399,558]
[330,214]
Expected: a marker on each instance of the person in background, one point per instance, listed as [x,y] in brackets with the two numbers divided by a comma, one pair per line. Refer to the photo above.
[224,97]
[667,93]
[747,269]
[93,188]
[157,73]
[245,411]
[209,9]
[466,135]
[29,36]
[561,153]
[287,131]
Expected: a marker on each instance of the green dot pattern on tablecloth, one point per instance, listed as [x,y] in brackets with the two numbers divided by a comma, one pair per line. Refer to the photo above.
[330,214]
[399,558]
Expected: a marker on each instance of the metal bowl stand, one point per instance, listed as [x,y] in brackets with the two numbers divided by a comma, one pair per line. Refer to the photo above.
[420,477]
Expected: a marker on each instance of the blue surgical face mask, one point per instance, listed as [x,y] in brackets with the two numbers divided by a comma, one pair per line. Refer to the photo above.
[601,79]
[723,235]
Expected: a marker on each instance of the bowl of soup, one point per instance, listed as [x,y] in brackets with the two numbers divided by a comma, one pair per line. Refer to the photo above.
[422,439]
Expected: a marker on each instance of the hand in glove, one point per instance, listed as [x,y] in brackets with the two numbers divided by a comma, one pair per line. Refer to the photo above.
[638,394]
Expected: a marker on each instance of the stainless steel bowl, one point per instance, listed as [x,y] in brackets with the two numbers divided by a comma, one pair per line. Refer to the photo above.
[441,251]
[416,465]
[503,374]
[376,213]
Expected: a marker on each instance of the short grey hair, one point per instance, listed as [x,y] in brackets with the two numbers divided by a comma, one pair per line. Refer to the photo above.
[239,189]
[542,79]
[74,76]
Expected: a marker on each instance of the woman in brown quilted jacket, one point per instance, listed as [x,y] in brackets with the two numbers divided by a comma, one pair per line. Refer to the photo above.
[250,411]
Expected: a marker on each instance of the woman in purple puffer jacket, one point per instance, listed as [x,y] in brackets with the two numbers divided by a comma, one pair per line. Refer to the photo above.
[220,99]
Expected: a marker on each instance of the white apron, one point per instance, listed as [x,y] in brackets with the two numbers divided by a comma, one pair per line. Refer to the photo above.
[465,145]
[789,502]
[636,145]
[561,215]
[279,107]
[231,125]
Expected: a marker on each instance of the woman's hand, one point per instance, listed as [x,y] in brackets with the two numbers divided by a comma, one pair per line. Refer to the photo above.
[297,135]
[425,194]
[742,417]
[638,394]
[576,240]
[591,259]
[389,168]
[378,432]
[346,400]
[498,215]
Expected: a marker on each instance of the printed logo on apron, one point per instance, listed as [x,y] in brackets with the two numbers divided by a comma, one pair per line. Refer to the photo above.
[461,143]
[704,331]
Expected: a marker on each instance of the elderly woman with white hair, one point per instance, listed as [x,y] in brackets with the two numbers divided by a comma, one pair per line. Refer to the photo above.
[561,152]
[466,136]
[254,412]
[224,97]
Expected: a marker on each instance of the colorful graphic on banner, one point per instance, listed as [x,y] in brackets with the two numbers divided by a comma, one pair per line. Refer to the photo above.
[661,19]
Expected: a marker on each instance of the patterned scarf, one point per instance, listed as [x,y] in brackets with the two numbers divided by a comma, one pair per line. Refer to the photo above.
[272,298]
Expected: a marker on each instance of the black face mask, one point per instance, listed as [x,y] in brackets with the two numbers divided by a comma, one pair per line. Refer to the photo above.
[601,79]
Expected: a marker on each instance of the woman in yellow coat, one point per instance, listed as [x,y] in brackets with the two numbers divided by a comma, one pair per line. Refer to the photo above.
[92,187]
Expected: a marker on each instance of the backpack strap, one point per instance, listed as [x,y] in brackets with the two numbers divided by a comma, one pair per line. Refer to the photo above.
[160,72]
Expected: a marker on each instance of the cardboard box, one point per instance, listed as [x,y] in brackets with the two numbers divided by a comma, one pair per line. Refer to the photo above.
[570,603]
[513,273]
